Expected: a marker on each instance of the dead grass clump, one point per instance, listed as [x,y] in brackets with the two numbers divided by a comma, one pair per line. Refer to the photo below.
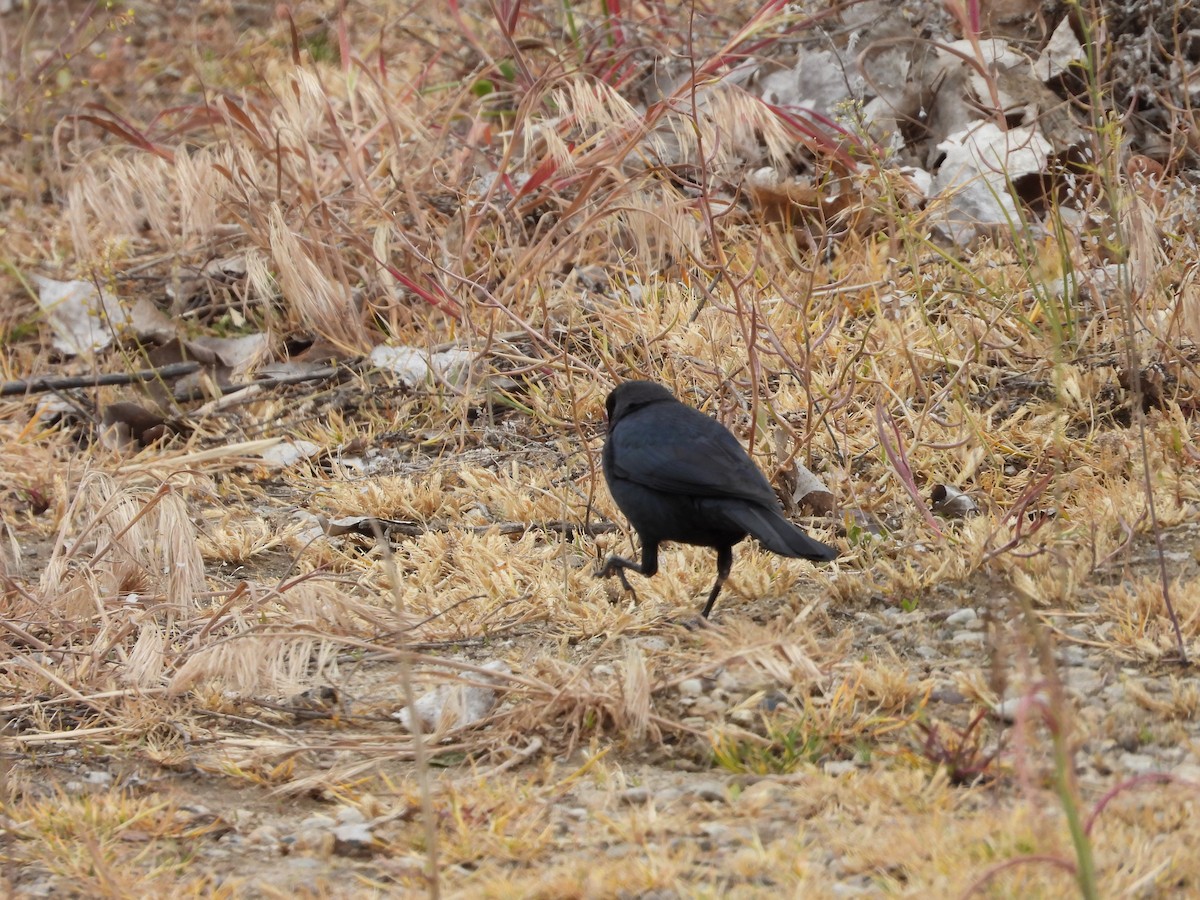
[565,197]
[125,567]
[1141,623]
[105,843]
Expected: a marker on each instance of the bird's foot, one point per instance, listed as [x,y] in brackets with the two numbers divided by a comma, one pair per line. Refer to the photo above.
[615,565]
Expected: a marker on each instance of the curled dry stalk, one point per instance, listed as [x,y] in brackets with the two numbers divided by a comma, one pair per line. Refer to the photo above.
[1054,709]
[893,448]
[1131,290]
[420,751]
[1135,236]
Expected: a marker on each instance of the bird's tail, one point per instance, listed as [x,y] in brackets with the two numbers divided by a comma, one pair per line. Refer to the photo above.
[776,533]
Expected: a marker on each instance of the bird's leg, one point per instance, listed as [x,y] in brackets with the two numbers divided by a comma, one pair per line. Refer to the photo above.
[616,565]
[724,564]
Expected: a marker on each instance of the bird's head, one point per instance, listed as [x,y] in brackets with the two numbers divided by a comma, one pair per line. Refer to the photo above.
[631,395]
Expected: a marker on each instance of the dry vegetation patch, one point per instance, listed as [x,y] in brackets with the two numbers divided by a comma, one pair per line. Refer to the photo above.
[305,452]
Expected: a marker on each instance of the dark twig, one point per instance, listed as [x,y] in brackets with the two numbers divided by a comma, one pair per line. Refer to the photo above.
[47,383]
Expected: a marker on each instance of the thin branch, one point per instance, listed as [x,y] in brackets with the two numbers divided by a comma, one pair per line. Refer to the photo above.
[48,383]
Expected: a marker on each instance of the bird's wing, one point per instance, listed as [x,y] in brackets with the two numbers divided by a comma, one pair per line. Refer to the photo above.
[679,450]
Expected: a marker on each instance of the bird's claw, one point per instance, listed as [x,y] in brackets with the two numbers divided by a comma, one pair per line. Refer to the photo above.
[629,587]
[614,565]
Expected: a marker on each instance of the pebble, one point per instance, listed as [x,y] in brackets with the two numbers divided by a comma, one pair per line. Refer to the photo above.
[1189,772]
[707,791]
[654,643]
[837,767]
[962,618]
[947,694]
[305,864]
[1129,738]
[1113,693]
[319,840]
[354,840]
[1072,655]
[241,817]
[410,866]
[967,638]
[773,701]
[1083,682]
[1008,710]
[264,834]
[635,796]
[349,815]
[706,705]
[317,821]
[1139,763]
[691,687]
[727,681]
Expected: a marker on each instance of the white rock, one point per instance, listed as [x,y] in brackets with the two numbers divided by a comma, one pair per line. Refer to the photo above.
[961,617]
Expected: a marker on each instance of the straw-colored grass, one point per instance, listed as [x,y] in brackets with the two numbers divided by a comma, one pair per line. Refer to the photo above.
[182,617]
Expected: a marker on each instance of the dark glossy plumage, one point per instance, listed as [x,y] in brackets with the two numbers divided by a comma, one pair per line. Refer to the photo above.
[679,475]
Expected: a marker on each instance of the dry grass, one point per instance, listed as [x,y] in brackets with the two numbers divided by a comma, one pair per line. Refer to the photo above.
[448,184]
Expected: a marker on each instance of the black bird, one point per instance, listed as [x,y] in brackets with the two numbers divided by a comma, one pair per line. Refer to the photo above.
[679,475]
